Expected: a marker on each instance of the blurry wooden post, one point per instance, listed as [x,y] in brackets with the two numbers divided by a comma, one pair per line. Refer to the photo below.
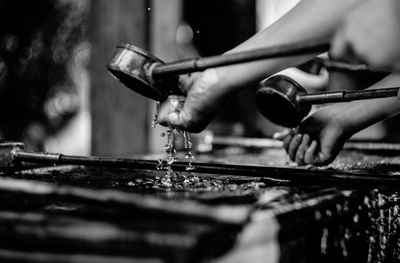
[165,17]
[120,121]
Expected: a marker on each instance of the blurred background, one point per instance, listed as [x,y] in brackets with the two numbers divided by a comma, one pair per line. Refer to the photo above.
[57,95]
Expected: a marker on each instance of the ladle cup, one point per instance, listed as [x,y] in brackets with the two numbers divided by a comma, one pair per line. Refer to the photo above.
[285,102]
[144,73]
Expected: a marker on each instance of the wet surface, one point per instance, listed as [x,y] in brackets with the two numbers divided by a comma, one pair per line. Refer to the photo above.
[317,223]
[185,185]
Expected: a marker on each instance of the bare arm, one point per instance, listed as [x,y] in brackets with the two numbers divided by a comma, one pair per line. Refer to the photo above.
[308,19]
[207,90]
[370,33]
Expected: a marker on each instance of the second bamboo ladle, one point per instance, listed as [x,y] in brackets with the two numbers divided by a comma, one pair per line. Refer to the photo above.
[285,102]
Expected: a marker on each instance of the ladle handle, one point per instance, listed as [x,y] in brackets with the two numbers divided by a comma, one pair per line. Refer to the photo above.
[317,45]
[345,96]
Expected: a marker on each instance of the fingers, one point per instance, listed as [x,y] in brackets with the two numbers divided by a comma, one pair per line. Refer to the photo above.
[311,153]
[179,117]
[186,118]
[301,150]
[294,144]
[290,141]
[296,147]
[321,159]
[170,116]
[283,134]
[200,105]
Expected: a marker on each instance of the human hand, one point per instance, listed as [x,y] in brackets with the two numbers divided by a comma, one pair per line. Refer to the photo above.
[203,98]
[319,138]
[370,33]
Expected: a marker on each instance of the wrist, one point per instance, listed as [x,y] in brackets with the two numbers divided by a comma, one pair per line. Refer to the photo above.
[345,118]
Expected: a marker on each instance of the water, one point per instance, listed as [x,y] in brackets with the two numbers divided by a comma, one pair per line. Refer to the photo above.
[154,122]
[160,165]
[188,146]
[172,135]
[170,150]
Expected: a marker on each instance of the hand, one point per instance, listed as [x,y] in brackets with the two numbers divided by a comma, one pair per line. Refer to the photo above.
[202,101]
[371,34]
[319,138]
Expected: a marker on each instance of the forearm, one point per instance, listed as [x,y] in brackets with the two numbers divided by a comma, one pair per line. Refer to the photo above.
[358,115]
[309,19]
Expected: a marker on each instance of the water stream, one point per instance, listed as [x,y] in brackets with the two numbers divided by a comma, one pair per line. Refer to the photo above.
[170,148]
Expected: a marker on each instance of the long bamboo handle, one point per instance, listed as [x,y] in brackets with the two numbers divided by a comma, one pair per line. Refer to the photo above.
[345,96]
[317,45]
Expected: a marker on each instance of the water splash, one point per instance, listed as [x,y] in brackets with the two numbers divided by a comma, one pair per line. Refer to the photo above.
[187,140]
[160,165]
[170,149]
[155,122]
[172,135]
[188,146]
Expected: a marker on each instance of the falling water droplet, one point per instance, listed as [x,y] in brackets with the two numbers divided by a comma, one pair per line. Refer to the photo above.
[170,146]
[155,122]
[170,160]
[190,167]
[190,158]
[187,140]
[159,165]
